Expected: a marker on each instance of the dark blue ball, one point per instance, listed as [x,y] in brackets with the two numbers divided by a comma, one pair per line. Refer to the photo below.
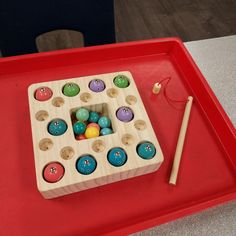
[86,165]
[117,157]
[57,127]
[146,150]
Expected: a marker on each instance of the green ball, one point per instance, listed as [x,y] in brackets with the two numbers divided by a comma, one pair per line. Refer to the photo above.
[82,114]
[146,150]
[79,127]
[93,117]
[71,89]
[121,81]
[104,122]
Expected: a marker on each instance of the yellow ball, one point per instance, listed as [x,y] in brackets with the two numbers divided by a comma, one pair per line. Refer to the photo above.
[91,132]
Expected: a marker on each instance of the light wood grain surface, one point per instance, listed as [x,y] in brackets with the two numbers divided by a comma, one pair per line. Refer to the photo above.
[126,135]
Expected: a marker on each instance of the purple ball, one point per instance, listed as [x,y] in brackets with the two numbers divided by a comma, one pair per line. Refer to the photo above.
[125,114]
[97,85]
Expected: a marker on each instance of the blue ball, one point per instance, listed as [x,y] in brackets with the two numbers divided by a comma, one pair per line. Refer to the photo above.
[57,127]
[146,150]
[117,157]
[93,117]
[105,131]
[104,122]
[86,165]
[79,127]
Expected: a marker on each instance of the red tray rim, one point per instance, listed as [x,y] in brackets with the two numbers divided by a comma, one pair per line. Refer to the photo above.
[153,220]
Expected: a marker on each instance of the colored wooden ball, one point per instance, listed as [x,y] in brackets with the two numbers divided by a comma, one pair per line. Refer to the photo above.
[121,81]
[104,122]
[105,131]
[93,117]
[57,127]
[71,89]
[86,165]
[117,157]
[124,114]
[80,137]
[93,125]
[43,94]
[146,150]
[97,85]
[92,132]
[53,172]
[82,114]
[79,127]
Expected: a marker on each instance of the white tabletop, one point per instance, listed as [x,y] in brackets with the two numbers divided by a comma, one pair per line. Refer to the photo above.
[216,59]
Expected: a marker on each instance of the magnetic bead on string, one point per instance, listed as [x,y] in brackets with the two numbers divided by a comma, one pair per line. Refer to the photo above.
[156,88]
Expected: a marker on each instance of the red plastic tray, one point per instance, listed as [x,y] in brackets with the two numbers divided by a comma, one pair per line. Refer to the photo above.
[207,175]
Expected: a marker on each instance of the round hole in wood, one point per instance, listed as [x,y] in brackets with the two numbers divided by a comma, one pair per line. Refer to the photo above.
[131,100]
[41,115]
[140,125]
[127,139]
[98,146]
[58,102]
[45,144]
[112,93]
[67,153]
[85,97]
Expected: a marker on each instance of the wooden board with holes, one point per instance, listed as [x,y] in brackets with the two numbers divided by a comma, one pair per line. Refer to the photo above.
[66,150]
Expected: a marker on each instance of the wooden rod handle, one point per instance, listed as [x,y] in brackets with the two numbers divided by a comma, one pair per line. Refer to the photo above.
[180,143]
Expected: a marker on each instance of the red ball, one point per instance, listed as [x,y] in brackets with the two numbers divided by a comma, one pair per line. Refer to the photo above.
[93,125]
[53,172]
[43,94]
[80,137]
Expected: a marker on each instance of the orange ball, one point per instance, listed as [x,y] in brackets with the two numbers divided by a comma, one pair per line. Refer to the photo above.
[93,125]
[92,132]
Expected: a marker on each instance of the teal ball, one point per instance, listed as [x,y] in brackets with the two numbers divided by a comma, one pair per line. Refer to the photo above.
[105,131]
[86,165]
[82,114]
[104,122]
[93,117]
[79,127]
[117,157]
[146,150]
[57,127]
